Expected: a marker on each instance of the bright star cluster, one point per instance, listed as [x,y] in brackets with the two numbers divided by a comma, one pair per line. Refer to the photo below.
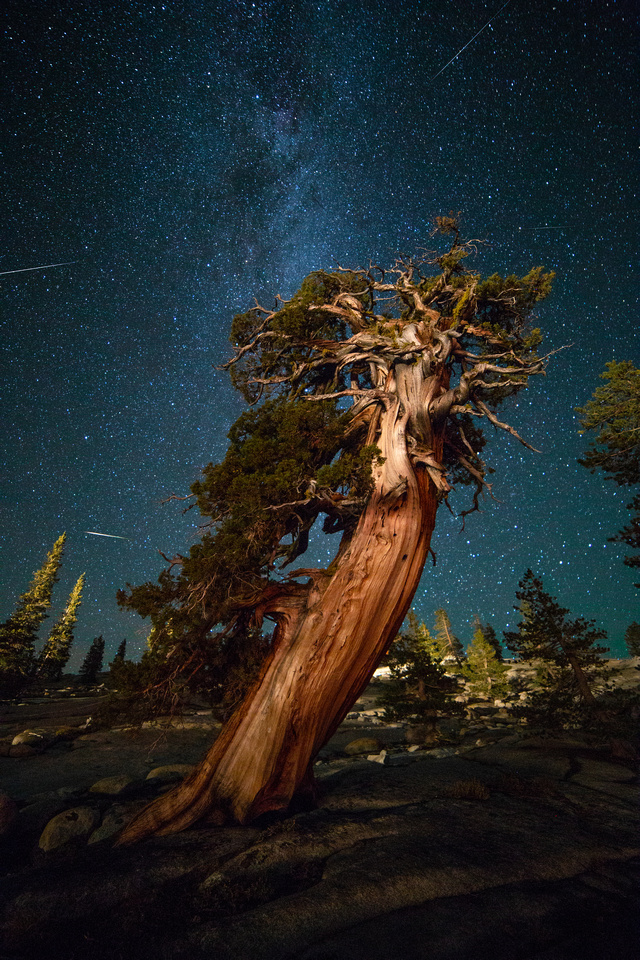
[190,156]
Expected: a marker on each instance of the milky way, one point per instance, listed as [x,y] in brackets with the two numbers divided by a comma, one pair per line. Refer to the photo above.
[190,156]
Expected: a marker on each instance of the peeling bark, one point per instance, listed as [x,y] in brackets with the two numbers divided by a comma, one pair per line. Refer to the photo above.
[332,631]
[326,647]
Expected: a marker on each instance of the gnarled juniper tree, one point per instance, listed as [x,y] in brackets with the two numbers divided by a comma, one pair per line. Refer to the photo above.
[368,392]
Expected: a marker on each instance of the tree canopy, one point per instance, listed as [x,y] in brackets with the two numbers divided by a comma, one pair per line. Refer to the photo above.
[613,414]
[318,372]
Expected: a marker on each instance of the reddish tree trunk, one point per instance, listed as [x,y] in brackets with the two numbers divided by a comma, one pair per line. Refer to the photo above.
[330,636]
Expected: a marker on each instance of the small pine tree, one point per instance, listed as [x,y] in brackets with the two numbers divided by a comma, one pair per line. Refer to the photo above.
[419,689]
[566,652]
[120,652]
[449,644]
[632,639]
[57,649]
[92,664]
[484,671]
[417,634]
[18,634]
[492,638]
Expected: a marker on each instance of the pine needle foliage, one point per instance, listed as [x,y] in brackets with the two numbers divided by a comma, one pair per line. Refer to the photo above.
[632,639]
[613,414]
[419,689]
[566,653]
[57,649]
[92,663]
[482,669]
[18,634]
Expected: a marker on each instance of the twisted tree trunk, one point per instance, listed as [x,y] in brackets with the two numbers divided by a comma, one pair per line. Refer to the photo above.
[330,636]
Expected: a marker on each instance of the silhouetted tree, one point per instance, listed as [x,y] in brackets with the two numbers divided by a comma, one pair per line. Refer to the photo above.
[566,650]
[120,652]
[368,389]
[614,415]
[57,649]
[92,663]
[632,639]
[19,633]
[491,637]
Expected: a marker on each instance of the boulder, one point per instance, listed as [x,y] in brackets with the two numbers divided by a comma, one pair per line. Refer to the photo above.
[441,752]
[114,820]
[112,785]
[71,825]
[363,745]
[23,750]
[34,738]
[34,817]
[171,772]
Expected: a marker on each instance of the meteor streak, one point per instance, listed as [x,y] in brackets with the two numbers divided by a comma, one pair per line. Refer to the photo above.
[474,37]
[113,536]
[44,266]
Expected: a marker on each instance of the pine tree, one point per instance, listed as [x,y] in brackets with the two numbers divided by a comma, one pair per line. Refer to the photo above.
[57,649]
[120,652]
[613,414]
[449,644]
[566,651]
[18,634]
[632,639]
[416,635]
[492,638]
[419,689]
[92,663]
[484,671]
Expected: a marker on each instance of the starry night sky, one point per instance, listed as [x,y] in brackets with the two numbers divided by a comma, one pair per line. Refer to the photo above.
[191,155]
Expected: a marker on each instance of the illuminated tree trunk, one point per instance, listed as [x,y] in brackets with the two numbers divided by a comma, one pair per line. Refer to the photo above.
[329,639]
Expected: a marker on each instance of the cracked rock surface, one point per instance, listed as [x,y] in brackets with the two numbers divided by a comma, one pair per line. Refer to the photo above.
[519,851]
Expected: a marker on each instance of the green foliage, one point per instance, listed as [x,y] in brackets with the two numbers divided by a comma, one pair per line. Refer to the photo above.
[419,688]
[18,634]
[545,633]
[614,415]
[159,684]
[491,637]
[313,370]
[632,639]
[92,663]
[57,649]
[566,653]
[554,703]
[482,668]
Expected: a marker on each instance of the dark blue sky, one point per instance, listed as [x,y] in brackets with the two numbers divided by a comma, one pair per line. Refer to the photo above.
[188,156]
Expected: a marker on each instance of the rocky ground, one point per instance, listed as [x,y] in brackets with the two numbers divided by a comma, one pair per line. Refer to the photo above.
[487,843]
